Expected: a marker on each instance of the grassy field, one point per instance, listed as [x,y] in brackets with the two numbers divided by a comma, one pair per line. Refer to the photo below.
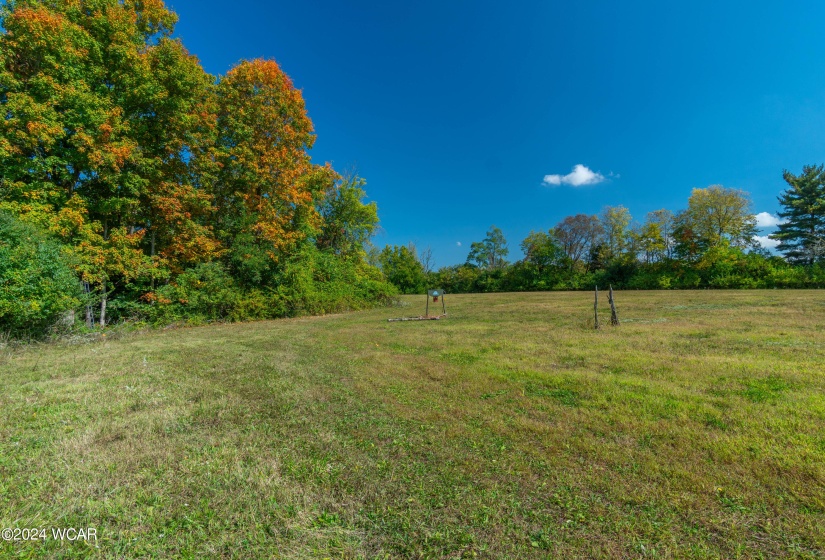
[511,429]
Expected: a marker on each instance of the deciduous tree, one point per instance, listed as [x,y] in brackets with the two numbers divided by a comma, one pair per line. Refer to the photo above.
[401,267]
[663,220]
[267,188]
[347,222]
[577,235]
[489,254]
[543,251]
[716,214]
[37,284]
[104,112]
[651,242]
[615,221]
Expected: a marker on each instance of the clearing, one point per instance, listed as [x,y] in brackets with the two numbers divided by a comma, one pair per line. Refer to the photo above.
[510,429]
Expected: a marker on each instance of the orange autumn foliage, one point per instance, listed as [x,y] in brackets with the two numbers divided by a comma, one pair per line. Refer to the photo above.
[265,135]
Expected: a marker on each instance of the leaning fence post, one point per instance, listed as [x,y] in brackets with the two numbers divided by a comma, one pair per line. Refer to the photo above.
[614,317]
[596,309]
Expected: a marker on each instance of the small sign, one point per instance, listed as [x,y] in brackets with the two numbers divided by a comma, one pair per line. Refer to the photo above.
[435,293]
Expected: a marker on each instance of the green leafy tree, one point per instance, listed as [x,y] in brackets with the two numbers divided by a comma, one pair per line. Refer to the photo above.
[37,283]
[489,254]
[117,143]
[457,279]
[663,220]
[615,221]
[717,215]
[654,239]
[106,119]
[802,235]
[402,269]
[543,265]
[543,251]
[348,223]
[651,242]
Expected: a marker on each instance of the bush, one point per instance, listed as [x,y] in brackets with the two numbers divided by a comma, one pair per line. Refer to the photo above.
[37,284]
[317,281]
[201,294]
[311,282]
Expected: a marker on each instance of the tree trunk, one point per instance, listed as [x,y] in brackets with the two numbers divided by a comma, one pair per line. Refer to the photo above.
[68,318]
[152,253]
[90,317]
[103,305]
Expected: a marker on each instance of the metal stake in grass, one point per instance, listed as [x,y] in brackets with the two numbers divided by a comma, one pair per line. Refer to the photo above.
[435,294]
[596,309]
[614,317]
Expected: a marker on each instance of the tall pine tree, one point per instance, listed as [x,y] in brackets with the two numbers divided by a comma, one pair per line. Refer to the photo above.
[802,235]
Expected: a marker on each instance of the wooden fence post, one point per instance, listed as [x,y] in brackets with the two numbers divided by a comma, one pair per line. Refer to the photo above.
[614,317]
[596,309]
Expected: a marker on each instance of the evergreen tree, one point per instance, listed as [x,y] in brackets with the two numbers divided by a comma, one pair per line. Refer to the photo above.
[802,235]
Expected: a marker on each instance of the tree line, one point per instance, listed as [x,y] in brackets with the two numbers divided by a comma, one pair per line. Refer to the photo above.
[136,186]
[712,243]
[133,184]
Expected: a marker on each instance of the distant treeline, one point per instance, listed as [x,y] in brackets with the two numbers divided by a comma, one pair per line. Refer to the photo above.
[713,243]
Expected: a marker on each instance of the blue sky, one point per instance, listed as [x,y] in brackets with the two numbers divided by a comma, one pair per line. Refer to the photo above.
[456,111]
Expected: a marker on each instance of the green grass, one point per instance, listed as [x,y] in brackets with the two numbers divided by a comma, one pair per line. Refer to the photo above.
[511,429]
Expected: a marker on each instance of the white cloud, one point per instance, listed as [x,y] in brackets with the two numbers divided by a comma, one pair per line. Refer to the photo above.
[579,177]
[766,241]
[764,219]
[458,243]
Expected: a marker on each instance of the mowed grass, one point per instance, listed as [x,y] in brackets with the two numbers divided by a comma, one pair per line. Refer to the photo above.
[511,429]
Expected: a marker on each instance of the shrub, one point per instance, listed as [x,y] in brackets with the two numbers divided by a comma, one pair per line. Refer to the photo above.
[310,282]
[201,294]
[317,281]
[37,284]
